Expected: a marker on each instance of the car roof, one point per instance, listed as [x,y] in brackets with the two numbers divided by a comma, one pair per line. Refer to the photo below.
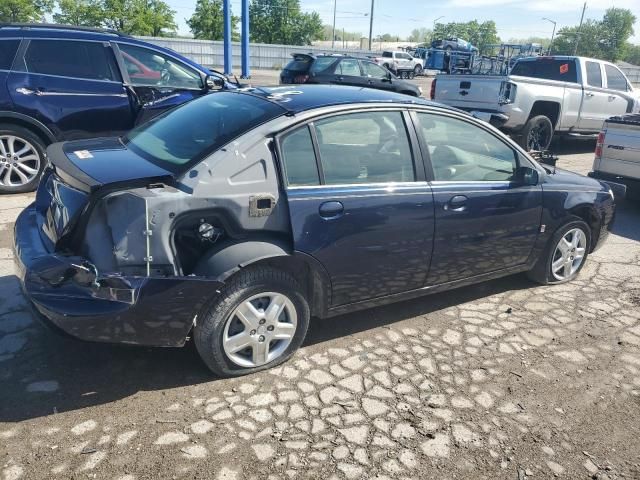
[299,98]
[70,32]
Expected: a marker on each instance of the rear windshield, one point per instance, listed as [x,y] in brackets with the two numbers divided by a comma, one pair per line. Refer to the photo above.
[189,133]
[300,63]
[548,69]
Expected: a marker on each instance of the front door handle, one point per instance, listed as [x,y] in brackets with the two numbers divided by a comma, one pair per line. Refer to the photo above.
[25,91]
[331,209]
[612,97]
[339,79]
[457,203]
[589,94]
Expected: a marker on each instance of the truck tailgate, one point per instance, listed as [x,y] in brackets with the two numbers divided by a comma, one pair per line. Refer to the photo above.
[469,92]
[621,150]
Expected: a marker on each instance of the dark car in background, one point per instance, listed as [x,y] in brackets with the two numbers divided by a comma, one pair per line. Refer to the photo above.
[237,217]
[454,44]
[343,70]
[66,83]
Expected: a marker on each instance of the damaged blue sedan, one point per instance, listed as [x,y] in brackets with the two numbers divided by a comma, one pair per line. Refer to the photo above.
[237,217]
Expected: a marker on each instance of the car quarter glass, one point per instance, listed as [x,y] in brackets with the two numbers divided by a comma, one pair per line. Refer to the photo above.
[8,49]
[301,168]
[457,155]
[483,221]
[371,147]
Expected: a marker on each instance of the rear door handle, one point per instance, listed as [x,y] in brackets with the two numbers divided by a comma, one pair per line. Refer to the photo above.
[25,91]
[331,209]
[612,97]
[589,94]
[339,79]
[457,203]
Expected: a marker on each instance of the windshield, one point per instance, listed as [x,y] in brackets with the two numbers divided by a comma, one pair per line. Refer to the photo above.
[198,128]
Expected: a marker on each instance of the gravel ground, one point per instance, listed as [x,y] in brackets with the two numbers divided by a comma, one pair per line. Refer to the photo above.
[502,380]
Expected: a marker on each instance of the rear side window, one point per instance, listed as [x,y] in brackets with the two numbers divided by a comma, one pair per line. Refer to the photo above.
[300,63]
[299,158]
[8,49]
[371,147]
[322,63]
[349,67]
[387,54]
[594,74]
[615,78]
[560,70]
[65,58]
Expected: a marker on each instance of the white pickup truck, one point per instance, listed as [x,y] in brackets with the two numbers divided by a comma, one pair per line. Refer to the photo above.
[617,159]
[542,95]
[399,61]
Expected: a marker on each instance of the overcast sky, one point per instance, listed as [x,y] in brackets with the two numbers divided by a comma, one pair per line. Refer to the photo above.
[514,18]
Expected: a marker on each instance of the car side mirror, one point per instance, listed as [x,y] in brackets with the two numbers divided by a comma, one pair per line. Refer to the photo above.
[214,82]
[526,176]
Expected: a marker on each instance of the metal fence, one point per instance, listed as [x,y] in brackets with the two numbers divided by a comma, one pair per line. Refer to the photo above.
[210,53]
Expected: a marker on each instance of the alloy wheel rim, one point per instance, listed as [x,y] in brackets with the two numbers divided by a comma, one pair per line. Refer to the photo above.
[569,254]
[538,137]
[260,329]
[19,161]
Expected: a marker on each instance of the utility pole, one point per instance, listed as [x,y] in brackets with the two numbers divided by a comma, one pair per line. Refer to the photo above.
[575,50]
[371,25]
[552,33]
[333,34]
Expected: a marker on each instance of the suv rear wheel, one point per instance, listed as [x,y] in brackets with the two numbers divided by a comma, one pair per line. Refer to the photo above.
[22,159]
[257,321]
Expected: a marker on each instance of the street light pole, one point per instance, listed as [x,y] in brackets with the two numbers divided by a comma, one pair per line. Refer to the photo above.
[578,33]
[552,34]
[434,26]
[333,34]
[371,25]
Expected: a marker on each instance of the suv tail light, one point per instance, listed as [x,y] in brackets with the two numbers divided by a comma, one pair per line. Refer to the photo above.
[599,145]
[432,92]
[507,93]
[300,78]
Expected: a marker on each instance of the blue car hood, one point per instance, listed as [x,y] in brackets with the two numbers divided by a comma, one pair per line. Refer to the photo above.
[572,180]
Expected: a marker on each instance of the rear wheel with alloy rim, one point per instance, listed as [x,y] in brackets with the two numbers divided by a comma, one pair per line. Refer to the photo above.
[21,159]
[258,321]
[565,255]
[537,134]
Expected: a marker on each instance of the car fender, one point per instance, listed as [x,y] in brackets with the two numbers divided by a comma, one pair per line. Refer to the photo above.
[35,125]
[223,262]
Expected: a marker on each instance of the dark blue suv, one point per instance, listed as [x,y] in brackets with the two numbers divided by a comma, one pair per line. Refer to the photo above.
[67,83]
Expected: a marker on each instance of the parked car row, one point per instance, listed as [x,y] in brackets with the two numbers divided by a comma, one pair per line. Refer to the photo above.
[64,83]
[331,69]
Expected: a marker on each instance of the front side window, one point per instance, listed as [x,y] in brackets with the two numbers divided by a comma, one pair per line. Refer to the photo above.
[66,58]
[615,78]
[194,130]
[369,147]
[349,67]
[8,49]
[374,71]
[148,67]
[299,158]
[594,74]
[461,151]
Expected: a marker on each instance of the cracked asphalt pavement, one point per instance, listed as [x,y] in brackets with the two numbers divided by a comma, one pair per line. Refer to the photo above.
[502,380]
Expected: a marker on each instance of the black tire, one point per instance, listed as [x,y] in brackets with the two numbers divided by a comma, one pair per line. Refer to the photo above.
[537,134]
[23,135]
[542,271]
[417,70]
[209,330]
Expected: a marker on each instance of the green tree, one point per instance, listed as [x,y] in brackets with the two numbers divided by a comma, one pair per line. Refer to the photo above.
[139,17]
[24,10]
[632,54]
[207,21]
[79,12]
[616,29]
[282,21]
[421,35]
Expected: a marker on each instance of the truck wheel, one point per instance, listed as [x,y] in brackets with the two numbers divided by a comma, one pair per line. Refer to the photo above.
[537,134]
[21,159]
[417,70]
[565,254]
[258,320]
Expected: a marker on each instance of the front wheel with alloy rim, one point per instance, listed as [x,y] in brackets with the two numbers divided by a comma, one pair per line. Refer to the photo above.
[258,321]
[565,255]
[21,159]
[537,134]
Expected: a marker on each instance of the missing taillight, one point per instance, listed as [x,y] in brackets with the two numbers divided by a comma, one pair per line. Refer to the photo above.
[301,78]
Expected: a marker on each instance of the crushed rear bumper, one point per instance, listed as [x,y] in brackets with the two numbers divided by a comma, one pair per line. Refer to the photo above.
[70,294]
